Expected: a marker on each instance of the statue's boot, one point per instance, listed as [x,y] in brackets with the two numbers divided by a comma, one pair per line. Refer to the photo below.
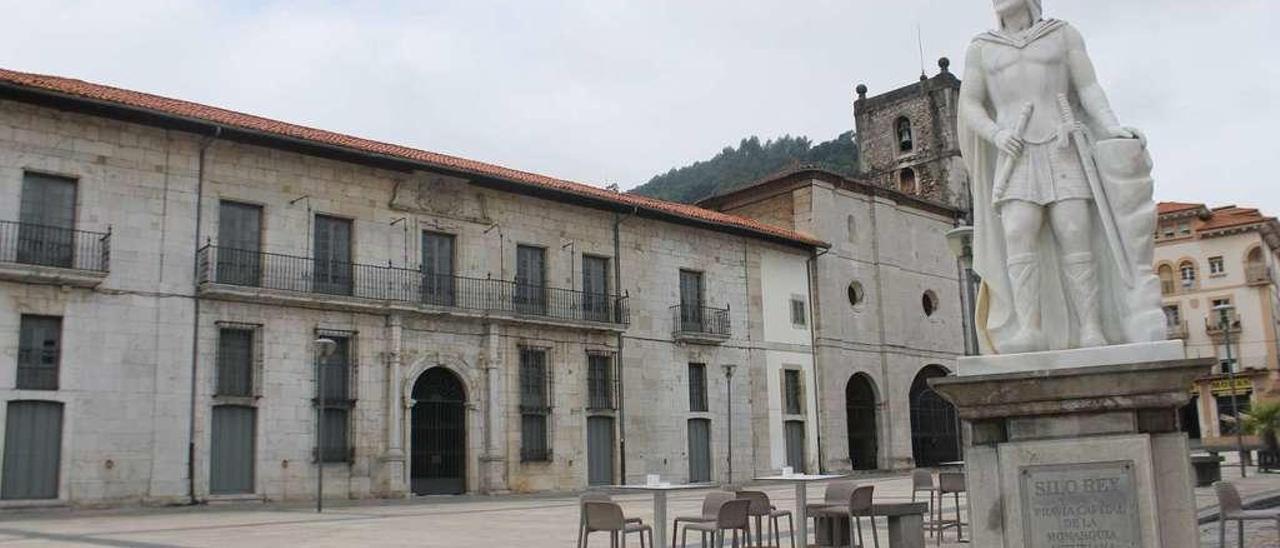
[1082,286]
[1024,275]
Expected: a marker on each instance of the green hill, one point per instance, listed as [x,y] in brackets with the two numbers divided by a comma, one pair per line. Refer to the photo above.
[750,161]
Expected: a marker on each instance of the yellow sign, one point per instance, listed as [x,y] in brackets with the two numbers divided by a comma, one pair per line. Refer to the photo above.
[1220,387]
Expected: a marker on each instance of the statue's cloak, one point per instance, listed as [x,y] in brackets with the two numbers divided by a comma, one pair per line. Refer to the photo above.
[1130,310]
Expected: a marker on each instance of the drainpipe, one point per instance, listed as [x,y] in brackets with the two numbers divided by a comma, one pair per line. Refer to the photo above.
[195,315]
[811,268]
[617,289]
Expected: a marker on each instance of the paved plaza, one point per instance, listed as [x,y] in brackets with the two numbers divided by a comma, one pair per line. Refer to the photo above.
[524,521]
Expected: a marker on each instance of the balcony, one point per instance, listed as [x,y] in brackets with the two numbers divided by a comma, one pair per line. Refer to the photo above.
[46,254]
[1213,326]
[700,324]
[1176,330]
[302,281]
[1257,274]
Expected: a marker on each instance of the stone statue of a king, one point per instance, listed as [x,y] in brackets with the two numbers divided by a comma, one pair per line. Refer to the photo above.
[1062,194]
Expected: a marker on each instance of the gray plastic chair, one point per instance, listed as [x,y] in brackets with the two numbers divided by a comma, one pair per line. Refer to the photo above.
[836,494]
[922,480]
[1230,508]
[593,496]
[762,509]
[710,509]
[732,516]
[953,483]
[855,507]
[607,517]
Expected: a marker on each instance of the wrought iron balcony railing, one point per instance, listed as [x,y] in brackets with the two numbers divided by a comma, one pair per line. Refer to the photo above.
[45,245]
[1176,330]
[699,321]
[237,267]
[1217,324]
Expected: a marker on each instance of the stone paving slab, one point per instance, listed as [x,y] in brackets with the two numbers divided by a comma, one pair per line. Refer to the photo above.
[446,522]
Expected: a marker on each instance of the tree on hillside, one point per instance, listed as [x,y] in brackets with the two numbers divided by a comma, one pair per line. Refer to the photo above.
[748,162]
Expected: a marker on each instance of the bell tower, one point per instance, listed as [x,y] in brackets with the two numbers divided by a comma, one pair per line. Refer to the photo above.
[907,138]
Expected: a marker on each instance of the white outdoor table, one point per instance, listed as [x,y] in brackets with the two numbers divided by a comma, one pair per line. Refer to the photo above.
[660,502]
[802,497]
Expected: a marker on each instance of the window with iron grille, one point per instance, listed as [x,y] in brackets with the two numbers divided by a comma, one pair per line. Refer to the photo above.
[336,396]
[39,352]
[793,392]
[235,362]
[535,405]
[600,382]
[798,317]
[697,387]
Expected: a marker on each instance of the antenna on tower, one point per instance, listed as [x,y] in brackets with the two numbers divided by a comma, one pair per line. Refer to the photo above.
[920,47]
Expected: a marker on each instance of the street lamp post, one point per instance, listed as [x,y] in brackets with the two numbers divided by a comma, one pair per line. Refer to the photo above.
[960,241]
[728,406]
[324,348]
[1224,321]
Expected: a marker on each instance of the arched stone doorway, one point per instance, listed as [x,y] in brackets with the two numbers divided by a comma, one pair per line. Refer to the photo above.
[934,430]
[438,459]
[860,414]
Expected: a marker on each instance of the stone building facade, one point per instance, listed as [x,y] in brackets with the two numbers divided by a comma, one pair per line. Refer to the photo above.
[907,138]
[167,268]
[888,313]
[1207,257]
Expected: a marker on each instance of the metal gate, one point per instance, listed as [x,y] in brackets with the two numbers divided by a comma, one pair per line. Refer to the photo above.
[600,450]
[699,450]
[793,431]
[231,451]
[860,412]
[32,450]
[439,437]
[934,431]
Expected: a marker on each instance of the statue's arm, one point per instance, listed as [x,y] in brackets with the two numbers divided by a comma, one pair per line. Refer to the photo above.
[973,96]
[1085,80]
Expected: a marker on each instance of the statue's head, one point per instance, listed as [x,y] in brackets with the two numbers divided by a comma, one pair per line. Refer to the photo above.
[1006,8]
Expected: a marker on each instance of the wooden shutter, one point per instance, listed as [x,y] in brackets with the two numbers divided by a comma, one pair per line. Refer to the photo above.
[32,450]
[47,215]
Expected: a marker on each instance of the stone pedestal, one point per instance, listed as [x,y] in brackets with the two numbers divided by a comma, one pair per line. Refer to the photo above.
[1080,455]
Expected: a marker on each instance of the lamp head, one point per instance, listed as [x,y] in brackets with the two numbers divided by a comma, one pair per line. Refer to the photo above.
[325,347]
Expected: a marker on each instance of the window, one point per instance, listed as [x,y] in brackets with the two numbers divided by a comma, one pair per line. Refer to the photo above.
[1167,231]
[792,392]
[47,220]
[697,387]
[531,280]
[1218,315]
[600,381]
[798,316]
[235,362]
[336,397]
[39,352]
[1172,315]
[691,295]
[856,293]
[1216,266]
[1188,272]
[1227,411]
[1167,284]
[907,181]
[437,268]
[595,288]
[331,253]
[906,141]
[852,228]
[929,302]
[535,405]
[239,243]
[1184,229]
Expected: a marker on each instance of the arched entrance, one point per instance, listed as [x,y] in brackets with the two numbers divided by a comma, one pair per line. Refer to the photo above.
[437,464]
[860,414]
[934,429]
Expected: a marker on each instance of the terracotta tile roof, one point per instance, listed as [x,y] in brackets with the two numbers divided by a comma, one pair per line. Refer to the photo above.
[230,118]
[1231,216]
[1172,207]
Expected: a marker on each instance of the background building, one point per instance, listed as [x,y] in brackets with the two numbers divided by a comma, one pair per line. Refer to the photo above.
[166,266]
[1209,257]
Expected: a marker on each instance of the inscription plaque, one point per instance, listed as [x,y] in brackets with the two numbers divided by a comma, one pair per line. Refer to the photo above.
[1093,505]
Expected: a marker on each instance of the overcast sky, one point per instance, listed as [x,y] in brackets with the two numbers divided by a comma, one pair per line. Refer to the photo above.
[613,91]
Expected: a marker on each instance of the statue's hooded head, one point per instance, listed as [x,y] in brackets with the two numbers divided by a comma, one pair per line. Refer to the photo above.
[1006,7]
